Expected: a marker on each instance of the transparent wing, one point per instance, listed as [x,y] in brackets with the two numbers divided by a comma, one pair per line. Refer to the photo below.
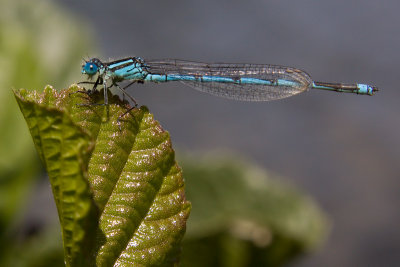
[250,90]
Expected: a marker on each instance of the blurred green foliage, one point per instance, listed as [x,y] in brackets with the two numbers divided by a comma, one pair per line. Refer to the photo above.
[35,49]
[244,216]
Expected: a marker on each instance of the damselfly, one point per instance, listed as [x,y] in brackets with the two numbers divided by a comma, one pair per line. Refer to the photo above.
[248,82]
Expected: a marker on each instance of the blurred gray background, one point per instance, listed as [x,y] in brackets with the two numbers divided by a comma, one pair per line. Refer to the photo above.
[343,149]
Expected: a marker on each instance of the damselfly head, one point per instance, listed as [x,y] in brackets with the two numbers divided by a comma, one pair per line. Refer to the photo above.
[91,67]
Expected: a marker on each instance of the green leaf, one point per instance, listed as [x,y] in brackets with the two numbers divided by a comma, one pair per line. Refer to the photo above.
[118,190]
[245,216]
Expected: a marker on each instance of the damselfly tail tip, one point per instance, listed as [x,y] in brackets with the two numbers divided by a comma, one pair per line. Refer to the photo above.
[366,89]
[374,90]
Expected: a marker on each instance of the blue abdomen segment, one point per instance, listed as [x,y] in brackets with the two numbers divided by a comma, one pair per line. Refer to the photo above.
[243,88]
[216,79]
[365,89]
